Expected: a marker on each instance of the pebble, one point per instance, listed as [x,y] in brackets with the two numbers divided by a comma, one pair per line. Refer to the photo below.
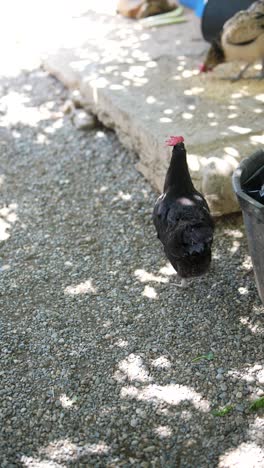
[223,387]
[240,408]
[80,342]
[141,413]
[84,121]
[219,377]
[134,422]
[68,107]
[77,98]
[149,449]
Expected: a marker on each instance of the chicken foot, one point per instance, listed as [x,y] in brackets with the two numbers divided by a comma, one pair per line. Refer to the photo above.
[261,75]
[242,71]
[238,76]
[184,284]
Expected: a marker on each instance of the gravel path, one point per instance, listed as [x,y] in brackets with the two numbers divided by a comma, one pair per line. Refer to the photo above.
[98,348]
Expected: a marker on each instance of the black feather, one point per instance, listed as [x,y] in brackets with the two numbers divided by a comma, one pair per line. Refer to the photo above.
[183,221]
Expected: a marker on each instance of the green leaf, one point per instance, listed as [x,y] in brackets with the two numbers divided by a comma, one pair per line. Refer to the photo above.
[257,404]
[223,411]
[165,21]
[170,14]
[208,357]
[170,17]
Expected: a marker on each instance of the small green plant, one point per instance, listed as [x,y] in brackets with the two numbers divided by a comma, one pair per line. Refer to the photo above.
[174,16]
[208,357]
[257,404]
[223,411]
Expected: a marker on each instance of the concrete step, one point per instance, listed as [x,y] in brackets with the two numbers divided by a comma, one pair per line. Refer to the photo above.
[145,85]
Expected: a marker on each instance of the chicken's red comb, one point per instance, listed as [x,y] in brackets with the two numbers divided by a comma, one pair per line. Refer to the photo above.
[174,140]
[203,68]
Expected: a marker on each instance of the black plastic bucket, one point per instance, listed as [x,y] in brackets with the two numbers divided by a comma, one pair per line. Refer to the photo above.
[217,12]
[250,172]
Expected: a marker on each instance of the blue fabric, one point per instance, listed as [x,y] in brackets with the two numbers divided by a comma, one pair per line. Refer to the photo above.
[197,5]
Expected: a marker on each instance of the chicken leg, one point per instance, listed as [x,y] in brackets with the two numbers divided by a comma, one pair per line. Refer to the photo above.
[242,71]
[257,77]
[238,77]
[261,75]
[184,284]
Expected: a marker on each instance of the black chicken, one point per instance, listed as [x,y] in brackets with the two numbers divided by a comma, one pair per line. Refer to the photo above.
[182,218]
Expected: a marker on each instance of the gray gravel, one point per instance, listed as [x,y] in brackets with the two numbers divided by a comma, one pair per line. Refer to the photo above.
[98,347]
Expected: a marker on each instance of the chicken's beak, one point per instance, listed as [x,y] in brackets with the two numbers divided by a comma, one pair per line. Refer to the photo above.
[204,68]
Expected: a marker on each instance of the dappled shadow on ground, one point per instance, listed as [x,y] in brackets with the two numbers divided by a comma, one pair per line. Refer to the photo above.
[132,58]
[104,361]
[145,83]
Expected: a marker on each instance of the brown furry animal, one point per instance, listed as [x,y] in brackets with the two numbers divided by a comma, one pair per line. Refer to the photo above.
[242,39]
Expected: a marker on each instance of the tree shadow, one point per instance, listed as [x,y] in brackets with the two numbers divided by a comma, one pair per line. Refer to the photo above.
[96,369]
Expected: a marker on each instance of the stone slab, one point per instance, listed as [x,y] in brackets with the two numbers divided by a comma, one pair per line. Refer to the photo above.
[145,85]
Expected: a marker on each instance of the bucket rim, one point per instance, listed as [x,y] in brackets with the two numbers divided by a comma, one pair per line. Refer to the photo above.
[238,173]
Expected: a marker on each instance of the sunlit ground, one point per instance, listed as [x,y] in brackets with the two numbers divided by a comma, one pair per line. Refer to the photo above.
[156,355]
[29,28]
[131,329]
